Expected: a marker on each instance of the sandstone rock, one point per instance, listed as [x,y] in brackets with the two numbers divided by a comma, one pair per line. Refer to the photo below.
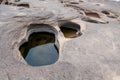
[92,56]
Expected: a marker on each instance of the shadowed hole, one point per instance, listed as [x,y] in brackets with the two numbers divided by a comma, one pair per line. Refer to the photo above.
[109,14]
[105,12]
[81,1]
[112,16]
[6,3]
[92,14]
[17,0]
[93,21]
[24,5]
[90,20]
[74,3]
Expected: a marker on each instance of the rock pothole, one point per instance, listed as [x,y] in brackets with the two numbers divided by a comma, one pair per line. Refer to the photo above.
[17,0]
[92,14]
[74,2]
[70,29]
[41,45]
[24,5]
[105,12]
[96,21]
[109,14]
[16,3]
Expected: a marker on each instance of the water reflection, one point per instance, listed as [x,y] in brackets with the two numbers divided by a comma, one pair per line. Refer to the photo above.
[42,55]
[68,32]
[70,29]
[40,49]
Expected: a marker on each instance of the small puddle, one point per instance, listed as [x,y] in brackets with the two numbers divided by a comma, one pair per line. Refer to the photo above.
[70,29]
[68,32]
[40,49]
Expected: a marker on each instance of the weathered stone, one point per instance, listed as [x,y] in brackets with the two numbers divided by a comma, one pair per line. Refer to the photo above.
[92,56]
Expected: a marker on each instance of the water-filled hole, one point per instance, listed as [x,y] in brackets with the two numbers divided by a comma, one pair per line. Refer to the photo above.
[40,49]
[70,29]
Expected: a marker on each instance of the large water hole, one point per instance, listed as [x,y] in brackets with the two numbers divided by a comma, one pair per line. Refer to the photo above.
[41,48]
[70,29]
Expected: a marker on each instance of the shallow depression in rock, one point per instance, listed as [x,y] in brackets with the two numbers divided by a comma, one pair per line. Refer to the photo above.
[40,49]
[92,14]
[70,29]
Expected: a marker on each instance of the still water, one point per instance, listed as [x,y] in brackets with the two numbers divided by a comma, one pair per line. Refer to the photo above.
[68,32]
[40,49]
[70,29]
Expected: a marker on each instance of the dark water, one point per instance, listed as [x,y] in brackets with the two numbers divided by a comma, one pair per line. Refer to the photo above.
[40,49]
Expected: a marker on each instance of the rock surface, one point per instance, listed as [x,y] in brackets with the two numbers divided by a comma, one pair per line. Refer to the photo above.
[92,56]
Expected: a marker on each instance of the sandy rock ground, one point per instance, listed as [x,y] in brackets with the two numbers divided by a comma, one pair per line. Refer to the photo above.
[92,56]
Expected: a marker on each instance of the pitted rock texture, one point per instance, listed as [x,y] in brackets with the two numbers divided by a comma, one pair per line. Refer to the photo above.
[92,56]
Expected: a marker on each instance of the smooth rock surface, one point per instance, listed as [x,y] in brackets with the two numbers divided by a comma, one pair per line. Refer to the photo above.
[92,56]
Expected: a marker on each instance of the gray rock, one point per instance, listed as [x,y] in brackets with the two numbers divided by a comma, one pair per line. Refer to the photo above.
[92,56]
